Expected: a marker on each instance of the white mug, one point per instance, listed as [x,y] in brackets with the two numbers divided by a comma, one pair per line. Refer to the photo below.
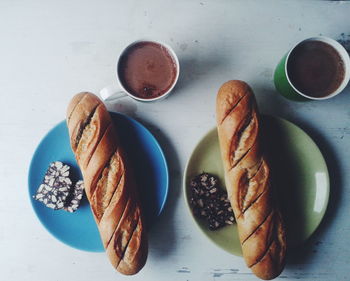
[113,92]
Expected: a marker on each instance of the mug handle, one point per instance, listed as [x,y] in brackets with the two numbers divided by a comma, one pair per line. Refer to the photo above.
[112,92]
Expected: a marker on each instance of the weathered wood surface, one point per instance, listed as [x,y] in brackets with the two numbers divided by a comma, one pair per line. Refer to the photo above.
[50,50]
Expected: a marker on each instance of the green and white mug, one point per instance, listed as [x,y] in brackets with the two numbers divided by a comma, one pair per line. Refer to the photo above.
[284,85]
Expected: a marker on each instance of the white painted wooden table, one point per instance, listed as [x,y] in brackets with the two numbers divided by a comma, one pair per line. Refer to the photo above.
[50,50]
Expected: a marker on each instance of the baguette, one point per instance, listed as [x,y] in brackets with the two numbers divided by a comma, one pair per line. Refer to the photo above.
[247,176]
[109,183]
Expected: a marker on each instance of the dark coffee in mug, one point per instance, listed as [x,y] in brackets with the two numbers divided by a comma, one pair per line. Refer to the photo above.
[147,70]
[315,68]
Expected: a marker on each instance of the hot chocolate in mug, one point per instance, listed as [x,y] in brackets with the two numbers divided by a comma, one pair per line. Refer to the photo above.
[146,71]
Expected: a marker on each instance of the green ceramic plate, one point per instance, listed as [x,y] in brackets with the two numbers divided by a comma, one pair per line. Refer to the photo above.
[300,178]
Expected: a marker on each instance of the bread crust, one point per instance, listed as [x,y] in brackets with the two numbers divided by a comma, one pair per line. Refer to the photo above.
[248,180]
[109,183]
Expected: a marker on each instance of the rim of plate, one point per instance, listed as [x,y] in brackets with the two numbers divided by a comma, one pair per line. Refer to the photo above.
[280,119]
[31,167]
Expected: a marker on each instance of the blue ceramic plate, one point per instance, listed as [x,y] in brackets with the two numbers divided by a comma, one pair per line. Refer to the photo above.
[78,229]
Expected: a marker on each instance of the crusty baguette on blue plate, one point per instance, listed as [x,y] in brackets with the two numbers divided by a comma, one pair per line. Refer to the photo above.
[109,182]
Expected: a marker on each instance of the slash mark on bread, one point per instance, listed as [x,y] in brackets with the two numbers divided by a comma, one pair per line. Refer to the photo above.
[75,106]
[271,239]
[241,137]
[263,221]
[239,160]
[252,203]
[257,170]
[115,191]
[103,207]
[83,125]
[100,177]
[243,190]
[232,108]
[128,220]
[98,143]
[127,245]
[247,184]
[118,226]
[264,254]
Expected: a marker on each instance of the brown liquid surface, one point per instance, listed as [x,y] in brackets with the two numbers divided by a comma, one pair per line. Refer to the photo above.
[147,70]
[315,68]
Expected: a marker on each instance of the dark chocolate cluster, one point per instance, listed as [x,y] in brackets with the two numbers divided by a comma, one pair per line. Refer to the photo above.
[56,190]
[209,201]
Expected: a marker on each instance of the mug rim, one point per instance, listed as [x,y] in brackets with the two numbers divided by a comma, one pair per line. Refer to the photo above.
[173,56]
[342,53]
